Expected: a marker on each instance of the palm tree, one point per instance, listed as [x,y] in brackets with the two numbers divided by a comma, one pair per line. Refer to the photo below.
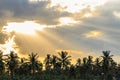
[56,66]
[97,66]
[84,61]
[89,61]
[113,68]
[78,64]
[2,64]
[34,64]
[83,69]
[78,67]
[106,62]
[113,64]
[90,64]
[54,61]
[64,59]
[24,67]
[87,66]
[97,62]
[12,63]
[47,62]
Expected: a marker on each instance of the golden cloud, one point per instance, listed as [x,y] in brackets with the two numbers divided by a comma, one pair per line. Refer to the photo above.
[93,34]
[116,14]
[67,21]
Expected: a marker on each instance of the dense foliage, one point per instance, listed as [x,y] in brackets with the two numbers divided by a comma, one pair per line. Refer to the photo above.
[12,67]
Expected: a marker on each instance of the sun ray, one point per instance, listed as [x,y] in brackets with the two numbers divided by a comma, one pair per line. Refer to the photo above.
[9,46]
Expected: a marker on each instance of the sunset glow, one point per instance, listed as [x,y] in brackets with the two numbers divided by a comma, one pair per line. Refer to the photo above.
[44,26]
[9,46]
[41,39]
[67,21]
[27,27]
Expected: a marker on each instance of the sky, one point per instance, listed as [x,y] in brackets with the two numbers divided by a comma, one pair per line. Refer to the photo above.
[80,27]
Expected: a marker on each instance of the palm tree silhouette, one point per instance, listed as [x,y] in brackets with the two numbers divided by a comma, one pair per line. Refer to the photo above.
[78,67]
[84,61]
[54,61]
[84,68]
[64,59]
[12,63]
[106,62]
[24,67]
[34,64]
[97,66]
[78,64]
[90,64]
[47,62]
[58,67]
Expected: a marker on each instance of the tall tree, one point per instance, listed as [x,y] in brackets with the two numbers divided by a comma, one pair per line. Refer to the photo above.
[56,65]
[64,59]
[78,67]
[12,63]
[97,66]
[35,65]
[84,61]
[90,64]
[78,64]
[47,62]
[54,61]
[106,62]
[83,70]
[24,67]
[113,68]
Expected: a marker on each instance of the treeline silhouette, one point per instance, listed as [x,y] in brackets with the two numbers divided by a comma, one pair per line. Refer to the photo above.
[12,67]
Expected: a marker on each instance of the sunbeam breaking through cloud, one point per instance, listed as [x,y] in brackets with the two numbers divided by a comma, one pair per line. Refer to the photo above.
[9,46]
[44,26]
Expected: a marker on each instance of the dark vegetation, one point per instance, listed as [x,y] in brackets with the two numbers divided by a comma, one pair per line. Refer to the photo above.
[12,67]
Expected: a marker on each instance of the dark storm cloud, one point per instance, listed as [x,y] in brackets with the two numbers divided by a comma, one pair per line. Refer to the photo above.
[21,10]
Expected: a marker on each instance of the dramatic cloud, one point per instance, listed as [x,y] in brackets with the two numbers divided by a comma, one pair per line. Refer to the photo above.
[85,31]
[22,10]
